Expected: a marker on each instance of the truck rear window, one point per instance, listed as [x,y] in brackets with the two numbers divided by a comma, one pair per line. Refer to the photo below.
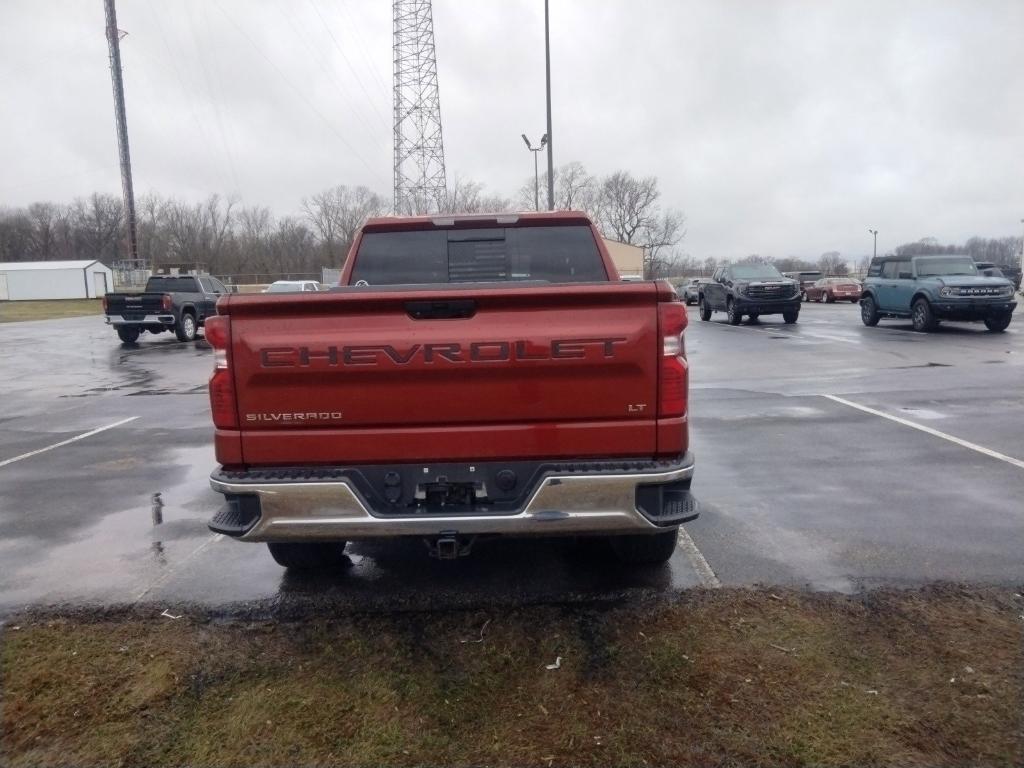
[565,254]
[171,285]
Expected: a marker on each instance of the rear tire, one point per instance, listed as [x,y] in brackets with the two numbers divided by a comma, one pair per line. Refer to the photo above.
[307,556]
[128,335]
[644,549]
[705,312]
[922,317]
[790,317]
[185,330]
[998,323]
[869,312]
[733,313]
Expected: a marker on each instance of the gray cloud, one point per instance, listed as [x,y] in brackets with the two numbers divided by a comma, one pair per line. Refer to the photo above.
[782,128]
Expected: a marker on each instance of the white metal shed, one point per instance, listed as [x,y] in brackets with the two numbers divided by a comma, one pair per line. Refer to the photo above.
[28,280]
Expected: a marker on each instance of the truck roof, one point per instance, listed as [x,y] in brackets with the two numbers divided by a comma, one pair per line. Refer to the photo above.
[529,218]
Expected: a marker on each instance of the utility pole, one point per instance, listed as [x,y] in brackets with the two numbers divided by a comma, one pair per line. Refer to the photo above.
[114,44]
[874,250]
[536,169]
[551,158]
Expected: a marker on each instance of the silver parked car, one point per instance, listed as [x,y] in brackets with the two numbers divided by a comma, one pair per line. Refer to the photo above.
[292,286]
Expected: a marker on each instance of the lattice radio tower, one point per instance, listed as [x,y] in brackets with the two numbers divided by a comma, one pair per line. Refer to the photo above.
[419,150]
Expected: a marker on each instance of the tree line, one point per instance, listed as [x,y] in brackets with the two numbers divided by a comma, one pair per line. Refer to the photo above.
[240,241]
[231,239]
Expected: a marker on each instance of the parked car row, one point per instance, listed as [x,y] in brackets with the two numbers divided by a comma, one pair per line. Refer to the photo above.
[925,289]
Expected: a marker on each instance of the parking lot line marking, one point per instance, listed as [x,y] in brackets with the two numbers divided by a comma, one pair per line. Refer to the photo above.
[70,440]
[170,572]
[928,430]
[697,561]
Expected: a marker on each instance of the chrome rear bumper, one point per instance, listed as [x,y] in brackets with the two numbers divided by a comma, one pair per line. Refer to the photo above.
[164,319]
[562,504]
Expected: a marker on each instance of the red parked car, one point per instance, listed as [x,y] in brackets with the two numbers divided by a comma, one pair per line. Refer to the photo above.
[830,289]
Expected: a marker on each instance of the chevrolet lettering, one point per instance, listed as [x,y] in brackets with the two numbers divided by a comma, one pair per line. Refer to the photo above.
[451,352]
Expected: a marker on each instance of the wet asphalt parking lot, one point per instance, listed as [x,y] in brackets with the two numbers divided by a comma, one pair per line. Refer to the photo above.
[829,455]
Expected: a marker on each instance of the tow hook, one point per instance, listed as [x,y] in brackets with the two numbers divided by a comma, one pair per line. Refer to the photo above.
[449,546]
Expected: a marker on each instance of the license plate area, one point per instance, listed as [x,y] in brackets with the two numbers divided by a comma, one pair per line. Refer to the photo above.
[456,496]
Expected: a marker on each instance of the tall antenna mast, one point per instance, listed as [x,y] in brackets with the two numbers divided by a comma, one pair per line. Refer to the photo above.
[420,184]
[114,36]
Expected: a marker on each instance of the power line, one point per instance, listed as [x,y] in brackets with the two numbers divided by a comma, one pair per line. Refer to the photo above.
[185,91]
[298,92]
[214,99]
[349,101]
[357,39]
[352,69]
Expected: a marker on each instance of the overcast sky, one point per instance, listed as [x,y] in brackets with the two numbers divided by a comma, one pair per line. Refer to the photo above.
[779,128]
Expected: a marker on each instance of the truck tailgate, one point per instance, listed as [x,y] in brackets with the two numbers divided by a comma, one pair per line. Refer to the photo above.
[137,303]
[426,374]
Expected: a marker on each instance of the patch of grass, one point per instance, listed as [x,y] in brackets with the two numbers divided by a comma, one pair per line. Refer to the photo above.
[731,677]
[16,311]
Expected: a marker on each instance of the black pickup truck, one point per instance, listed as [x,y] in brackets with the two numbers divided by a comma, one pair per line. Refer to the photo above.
[179,303]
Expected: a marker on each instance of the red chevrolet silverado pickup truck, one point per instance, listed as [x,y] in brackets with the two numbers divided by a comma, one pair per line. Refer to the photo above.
[471,376]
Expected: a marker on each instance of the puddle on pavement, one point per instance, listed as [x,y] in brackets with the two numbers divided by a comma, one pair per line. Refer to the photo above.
[118,554]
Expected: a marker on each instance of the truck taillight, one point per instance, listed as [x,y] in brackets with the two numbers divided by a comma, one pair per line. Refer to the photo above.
[106,305]
[223,403]
[167,302]
[672,366]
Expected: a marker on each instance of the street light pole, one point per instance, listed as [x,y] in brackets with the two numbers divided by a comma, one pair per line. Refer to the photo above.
[874,250]
[536,168]
[551,159]
[1022,250]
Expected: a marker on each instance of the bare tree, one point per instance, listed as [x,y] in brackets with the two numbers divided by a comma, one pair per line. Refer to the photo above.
[793,264]
[97,223]
[43,217]
[337,214]
[675,263]
[832,263]
[15,235]
[575,189]
[469,197]
[628,210]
